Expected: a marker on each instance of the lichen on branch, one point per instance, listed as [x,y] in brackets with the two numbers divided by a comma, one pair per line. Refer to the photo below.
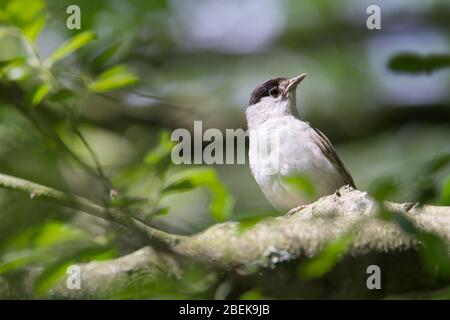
[269,246]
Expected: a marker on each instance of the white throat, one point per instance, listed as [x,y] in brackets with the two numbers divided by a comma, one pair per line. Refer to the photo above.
[270,108]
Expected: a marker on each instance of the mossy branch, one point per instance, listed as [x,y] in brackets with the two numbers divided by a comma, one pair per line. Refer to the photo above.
[269,246]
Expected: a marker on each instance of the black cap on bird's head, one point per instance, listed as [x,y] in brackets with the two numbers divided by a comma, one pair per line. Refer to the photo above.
[275,87]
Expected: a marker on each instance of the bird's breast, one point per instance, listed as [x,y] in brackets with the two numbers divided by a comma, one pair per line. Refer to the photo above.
[282,148]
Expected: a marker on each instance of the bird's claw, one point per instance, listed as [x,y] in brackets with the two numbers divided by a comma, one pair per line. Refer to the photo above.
[295,210]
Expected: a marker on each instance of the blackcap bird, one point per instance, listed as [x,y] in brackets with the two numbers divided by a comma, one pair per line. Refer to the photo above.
[284,148]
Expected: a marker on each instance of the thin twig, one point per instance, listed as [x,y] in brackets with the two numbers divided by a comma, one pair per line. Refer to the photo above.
[107,184]
[105,180]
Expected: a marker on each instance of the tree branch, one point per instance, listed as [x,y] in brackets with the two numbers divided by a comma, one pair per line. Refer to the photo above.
[267,255]
[87,206]
[273,247]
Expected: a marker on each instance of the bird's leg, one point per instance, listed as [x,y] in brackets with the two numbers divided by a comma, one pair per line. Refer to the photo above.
[295,210]
[410,205]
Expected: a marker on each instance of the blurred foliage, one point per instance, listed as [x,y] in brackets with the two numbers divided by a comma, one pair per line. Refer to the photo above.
[29,16]
[254,294]
[193,283]
[54,245]
[383,188]
[249,222]
[434,250]
[70,46]
[324,262]
[413,63]
[302,184]
[221,207]
[70,118]
[113,78]
[445,197]
[426,182]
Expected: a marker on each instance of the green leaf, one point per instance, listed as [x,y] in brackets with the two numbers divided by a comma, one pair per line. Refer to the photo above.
[383,188]
[425,188]
[70,46]
[103,58]
[43,236]
[61,95]
[37,245]
[445,194]
[160,157]
[50,277]
[56,271]
[32,30]
[180,186]
[19,259]
[27,15]
[253,294]
[12,46]
[438,163]
[415,63]
[55,232]
[161,212]
[221,205]
[36,95]
[247,223]
[302,184]
[434,253]
[5,63]
[114,78]
[400,219]
[318,266]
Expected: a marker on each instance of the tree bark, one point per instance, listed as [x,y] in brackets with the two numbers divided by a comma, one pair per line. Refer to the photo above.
[267,254]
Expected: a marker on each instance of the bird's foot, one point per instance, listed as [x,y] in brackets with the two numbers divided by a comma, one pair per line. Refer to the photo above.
[410,205]
[295,210]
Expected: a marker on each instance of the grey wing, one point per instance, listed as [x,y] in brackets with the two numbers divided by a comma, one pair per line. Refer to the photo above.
[328,150]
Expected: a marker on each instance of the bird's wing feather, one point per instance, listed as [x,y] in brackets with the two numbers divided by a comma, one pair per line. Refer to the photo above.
[328,150]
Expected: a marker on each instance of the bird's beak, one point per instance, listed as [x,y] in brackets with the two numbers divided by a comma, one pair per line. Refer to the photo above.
[293,83]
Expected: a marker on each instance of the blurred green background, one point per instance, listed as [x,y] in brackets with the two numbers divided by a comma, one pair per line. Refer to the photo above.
[381,96]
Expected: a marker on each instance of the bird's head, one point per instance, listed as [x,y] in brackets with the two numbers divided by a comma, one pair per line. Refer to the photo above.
[274,97]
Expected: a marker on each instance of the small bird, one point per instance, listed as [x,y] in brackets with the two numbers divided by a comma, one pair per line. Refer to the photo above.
[282,146]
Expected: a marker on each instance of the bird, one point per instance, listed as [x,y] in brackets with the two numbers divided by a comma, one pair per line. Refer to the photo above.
[284,150]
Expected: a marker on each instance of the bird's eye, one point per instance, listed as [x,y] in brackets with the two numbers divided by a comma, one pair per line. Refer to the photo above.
[274,92]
